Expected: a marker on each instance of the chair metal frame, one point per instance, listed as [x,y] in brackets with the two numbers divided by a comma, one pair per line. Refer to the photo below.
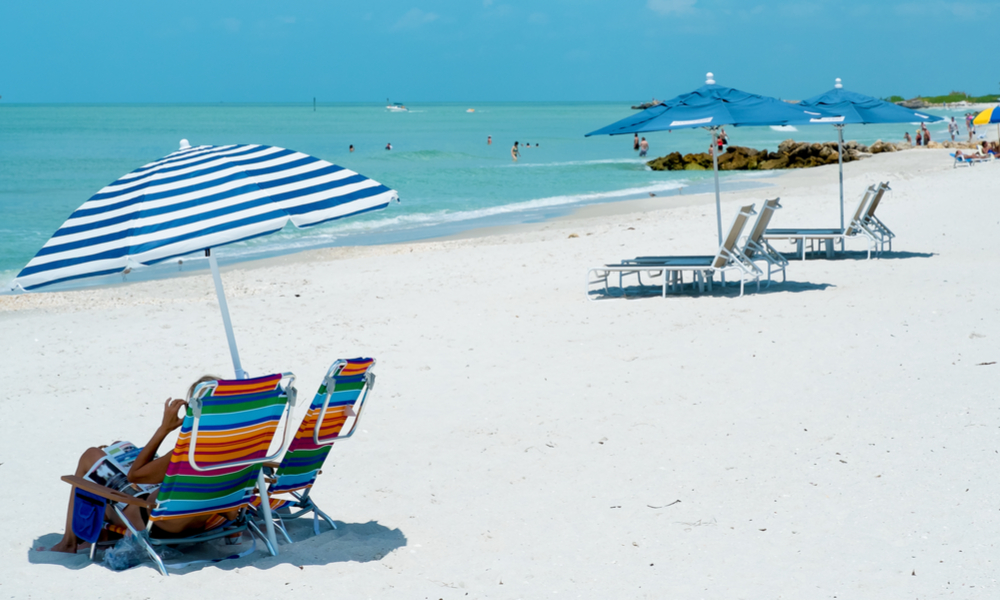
[303,503]
[672,268]
[811,239]
[243,523]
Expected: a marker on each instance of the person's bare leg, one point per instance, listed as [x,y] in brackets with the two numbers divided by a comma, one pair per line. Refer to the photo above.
[69,542]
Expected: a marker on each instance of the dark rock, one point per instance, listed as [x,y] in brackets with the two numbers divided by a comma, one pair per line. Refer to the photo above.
[790,155]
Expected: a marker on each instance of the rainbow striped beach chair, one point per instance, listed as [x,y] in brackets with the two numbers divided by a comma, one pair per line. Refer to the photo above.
[340,398]
[216,463]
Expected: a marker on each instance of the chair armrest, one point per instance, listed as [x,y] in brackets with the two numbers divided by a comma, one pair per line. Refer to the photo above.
[106,492]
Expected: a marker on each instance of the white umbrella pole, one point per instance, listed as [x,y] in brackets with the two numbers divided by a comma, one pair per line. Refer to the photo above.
[840,162]
[224,307]
[715,168]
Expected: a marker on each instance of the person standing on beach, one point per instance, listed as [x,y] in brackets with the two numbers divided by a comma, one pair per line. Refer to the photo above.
[906,136]
[635,142]
[643,147]
[969,126]
[952,128]
[514,152]
[926,132]
[918,136]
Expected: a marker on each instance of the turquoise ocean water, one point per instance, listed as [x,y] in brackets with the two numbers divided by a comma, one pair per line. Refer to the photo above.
[54,157]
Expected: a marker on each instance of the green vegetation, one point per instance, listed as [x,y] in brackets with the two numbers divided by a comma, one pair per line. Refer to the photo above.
[958,97]
[950,98]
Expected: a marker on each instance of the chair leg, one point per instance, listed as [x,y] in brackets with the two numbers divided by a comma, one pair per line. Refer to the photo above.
[280,524]
[260,534]
[145,543]
[326,518]
[265,507]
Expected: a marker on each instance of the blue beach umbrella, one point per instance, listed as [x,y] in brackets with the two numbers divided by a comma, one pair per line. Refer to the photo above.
[857,108]
[712,106]
[193,200]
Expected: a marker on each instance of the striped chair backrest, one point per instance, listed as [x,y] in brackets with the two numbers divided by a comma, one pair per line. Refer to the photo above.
[237,423]
[301,464]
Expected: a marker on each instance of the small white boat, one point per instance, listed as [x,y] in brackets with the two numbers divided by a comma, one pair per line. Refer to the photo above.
[397,107]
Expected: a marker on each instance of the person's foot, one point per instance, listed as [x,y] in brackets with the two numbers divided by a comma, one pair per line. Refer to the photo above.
[68,546]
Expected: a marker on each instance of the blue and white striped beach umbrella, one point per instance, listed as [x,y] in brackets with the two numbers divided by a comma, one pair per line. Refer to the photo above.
[196,199]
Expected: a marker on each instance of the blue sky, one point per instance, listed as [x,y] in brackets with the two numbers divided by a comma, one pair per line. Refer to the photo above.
[503,50]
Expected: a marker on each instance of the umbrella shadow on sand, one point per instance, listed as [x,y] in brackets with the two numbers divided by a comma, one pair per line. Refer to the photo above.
[351,542]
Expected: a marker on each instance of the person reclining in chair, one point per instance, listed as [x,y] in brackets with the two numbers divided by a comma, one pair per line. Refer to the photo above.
[148,469]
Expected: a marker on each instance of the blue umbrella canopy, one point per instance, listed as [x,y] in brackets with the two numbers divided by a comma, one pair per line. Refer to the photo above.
[859,108]
[711,106]
[195,199]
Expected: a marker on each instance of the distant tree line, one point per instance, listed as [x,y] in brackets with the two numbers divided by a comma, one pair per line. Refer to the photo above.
[948,98]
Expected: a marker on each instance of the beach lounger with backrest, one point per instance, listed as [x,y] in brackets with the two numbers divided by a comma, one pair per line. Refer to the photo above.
[756,247]
[804,237]
[216,462]
[672,268]
[969,161]
[339,400]
[873,224]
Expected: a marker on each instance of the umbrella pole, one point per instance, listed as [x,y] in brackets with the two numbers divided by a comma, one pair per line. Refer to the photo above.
[224,307]
[840,163]
[715,168]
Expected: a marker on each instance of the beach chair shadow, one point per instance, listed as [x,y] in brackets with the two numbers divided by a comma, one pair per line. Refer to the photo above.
[357,542]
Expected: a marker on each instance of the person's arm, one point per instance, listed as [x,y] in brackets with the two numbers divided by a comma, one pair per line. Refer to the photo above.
[146,469]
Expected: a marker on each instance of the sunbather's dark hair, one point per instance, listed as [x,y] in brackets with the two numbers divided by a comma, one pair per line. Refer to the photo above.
[202,379]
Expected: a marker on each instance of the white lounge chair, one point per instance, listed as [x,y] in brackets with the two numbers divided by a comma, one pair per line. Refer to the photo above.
[672,268]
[873,224]
[756,247]
[809,237]
[969,161]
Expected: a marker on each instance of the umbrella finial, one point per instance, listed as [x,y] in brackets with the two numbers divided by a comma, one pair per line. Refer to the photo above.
[837,83]
[709,79]
[185,145]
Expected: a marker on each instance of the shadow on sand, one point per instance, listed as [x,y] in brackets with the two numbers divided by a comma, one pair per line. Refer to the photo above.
[794,258]
[730,290]
[357,542]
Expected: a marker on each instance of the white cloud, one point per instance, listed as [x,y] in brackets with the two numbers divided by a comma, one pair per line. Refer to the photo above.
[666,7]
[414,18]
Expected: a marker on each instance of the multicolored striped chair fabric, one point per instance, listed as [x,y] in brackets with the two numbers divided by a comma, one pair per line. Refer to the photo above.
[301,464]
[237,423]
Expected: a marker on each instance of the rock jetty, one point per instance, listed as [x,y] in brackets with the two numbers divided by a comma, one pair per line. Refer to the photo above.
[790,155]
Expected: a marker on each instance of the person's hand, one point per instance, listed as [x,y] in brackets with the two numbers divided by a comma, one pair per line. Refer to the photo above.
[171,420]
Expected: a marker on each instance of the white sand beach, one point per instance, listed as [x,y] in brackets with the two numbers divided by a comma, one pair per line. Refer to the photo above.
[835,436]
